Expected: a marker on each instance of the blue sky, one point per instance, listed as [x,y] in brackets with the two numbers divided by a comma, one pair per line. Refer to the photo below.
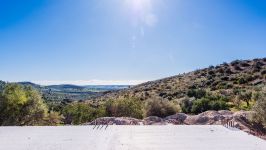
[125,41]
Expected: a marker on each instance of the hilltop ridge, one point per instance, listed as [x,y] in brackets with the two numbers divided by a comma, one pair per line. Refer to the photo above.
[224,78]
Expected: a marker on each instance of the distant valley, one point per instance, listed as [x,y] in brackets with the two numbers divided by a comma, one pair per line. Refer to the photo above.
[70,92]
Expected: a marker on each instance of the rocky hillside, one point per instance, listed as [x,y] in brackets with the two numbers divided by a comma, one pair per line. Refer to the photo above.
[223,79]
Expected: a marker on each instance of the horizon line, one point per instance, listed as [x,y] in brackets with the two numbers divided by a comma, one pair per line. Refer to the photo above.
[87,82]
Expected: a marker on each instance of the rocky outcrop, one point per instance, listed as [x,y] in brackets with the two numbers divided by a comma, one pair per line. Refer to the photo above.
[153,120]
[205,118]
[115,121]
[237,119]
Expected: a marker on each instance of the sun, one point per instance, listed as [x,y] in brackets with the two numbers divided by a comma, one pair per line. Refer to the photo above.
[139,6]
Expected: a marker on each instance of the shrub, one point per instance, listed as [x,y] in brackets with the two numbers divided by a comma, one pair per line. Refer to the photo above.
[211,67]
[211,72]
[162,94]
[245,96]
[228,71]
[128,107]
[197,93]
[200,106]
[160,108]
[225,78]
[236,67]
[224,85]
[244,64]
[205,104]
[186,105]
[263,72]
[259,109]
[235,62]
[53,119]
[241,80]
[21,106]
[78,113]
[220,70]
[225,64]
[218,105]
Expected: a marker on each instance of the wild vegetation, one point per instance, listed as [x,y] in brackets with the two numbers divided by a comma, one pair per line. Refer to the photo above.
[240,85]
[231,86]
[259,109]
[24,106]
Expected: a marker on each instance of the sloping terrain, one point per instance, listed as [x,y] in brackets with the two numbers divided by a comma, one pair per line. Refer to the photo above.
[222,79]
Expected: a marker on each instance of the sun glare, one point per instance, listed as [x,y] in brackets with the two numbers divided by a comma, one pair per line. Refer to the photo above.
[139,6]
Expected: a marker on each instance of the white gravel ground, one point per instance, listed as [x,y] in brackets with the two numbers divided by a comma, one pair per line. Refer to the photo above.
[168,137]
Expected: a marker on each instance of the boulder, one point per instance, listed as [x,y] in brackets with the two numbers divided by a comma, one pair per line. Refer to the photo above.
[115,121]
[153,120]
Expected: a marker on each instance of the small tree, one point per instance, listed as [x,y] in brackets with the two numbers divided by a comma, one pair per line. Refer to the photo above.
[259,109]
[237,101]
[246,97]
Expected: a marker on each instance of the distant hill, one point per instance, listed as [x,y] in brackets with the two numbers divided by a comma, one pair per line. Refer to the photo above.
[224,79]
[73,92]
[30,84]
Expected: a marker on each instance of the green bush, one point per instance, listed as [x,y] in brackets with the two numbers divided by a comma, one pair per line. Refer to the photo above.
[186,105]
[127,107]
[200,106]
[21,106]
[259,109]
[160,108]
[53,119]
[241,80]
[206,104]
[78,113]
[245,96]
[197,93]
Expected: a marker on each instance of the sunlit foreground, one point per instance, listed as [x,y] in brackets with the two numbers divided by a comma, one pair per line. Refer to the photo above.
[167,137]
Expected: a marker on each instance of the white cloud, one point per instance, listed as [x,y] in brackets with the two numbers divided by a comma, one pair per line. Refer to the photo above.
[91,82]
